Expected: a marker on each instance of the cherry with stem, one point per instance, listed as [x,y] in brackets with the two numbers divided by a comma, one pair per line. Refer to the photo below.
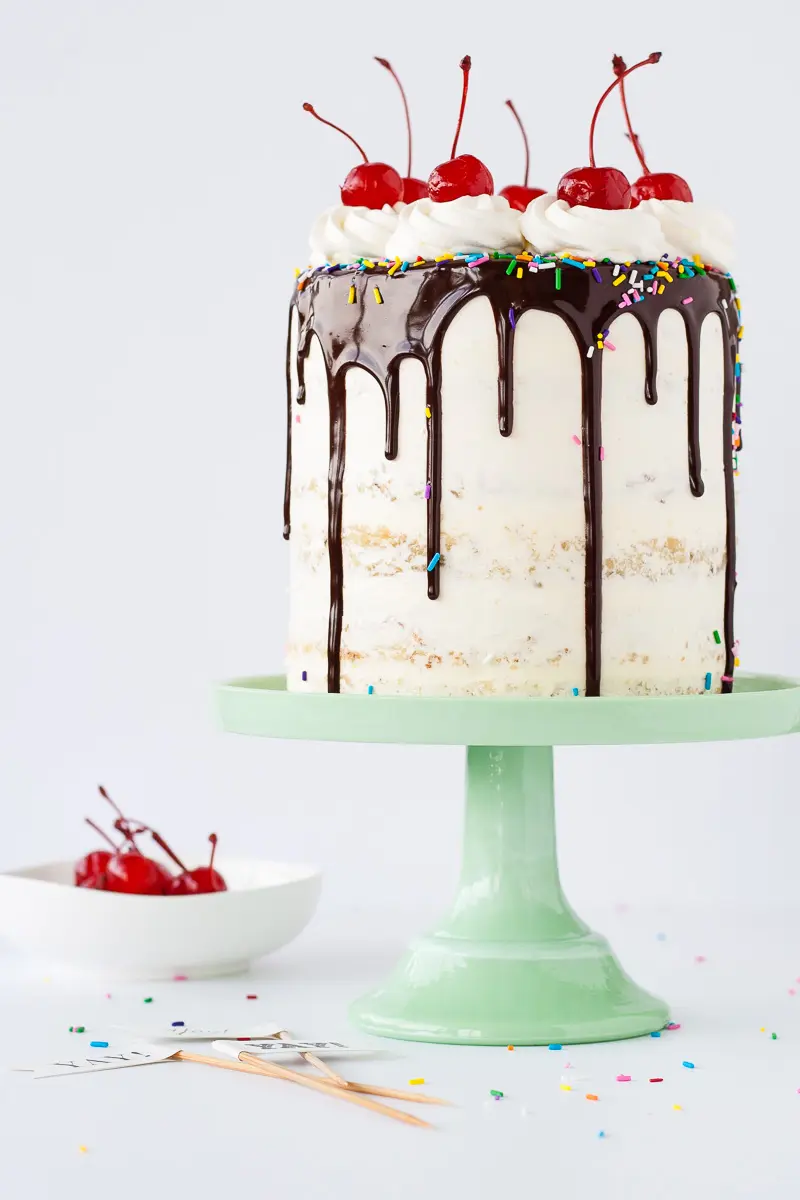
[601,187]
[370,184]
[664,185]
[413,189]
[464,175]
[519,196]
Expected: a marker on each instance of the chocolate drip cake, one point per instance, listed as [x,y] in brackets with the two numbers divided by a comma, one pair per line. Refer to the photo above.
[510,464]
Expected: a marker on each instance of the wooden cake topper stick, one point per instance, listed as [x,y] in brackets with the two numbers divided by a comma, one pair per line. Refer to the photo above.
[249,1062]
[315,1061]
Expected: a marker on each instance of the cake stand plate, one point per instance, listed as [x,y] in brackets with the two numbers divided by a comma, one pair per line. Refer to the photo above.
[511,963]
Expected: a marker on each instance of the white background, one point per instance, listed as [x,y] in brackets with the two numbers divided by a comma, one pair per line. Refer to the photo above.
[158,181]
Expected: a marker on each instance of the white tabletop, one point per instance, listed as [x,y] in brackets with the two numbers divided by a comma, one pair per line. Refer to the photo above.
[181,1129]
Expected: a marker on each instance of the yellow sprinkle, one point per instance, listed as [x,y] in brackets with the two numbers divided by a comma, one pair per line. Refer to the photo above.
[443,257]
[737,662]
[738,358]
[589,262]
[394,266]
[519,272]
[413,1082]
[677,1107]
[83,1149]
[737,302]
[351,296]
[427,412]
[565,1087]
[762,1030]
[296,272]
[697,260]
[664,275]
[740,332]
[368,262]
[627,264]
[660,288]
[620,279]
[377,294]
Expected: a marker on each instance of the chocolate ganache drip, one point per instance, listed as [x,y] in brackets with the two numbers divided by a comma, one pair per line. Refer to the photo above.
[338,306]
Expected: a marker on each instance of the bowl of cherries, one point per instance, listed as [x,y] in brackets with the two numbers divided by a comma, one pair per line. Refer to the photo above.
[132,908]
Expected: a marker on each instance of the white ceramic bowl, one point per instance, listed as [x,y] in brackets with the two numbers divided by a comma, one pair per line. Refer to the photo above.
[157,937]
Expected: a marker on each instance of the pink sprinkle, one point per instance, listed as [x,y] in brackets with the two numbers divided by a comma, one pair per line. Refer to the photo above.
[687,300]
[610,345]
[568,1066]
[602,454]
[179,978]
[727,679]
[297,418]
[672,1025]
[699,958]
[108,995]
[476,262]
[576,439]
[792,992]
[627,1079]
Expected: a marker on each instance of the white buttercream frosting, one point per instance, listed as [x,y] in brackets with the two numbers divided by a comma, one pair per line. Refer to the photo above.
[344,233]
[476,223]
[552,226]
[688,229]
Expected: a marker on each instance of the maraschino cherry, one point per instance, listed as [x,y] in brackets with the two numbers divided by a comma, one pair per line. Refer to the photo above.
[130,871]
[600,187]
[519,195]
[413,189]
[465,175]
[90,869]
[201,879]
[371,184]
[661,186]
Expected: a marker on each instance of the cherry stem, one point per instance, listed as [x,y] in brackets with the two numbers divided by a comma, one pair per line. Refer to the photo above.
[651,58]
[122,824]
[466,66]
[619,66]
[102,833]
[310,109]
[385,63]
[212,837]
[159,841]
[518,119]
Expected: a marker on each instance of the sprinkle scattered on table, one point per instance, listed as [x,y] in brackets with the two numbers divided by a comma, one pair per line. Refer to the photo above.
[414,1082]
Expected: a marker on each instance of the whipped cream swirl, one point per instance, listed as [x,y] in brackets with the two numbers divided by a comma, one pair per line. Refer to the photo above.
[551,226]
[344,233]
[472,223]
[688,229]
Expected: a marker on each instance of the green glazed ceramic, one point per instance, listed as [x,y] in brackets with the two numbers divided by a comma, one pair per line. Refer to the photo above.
[511,963]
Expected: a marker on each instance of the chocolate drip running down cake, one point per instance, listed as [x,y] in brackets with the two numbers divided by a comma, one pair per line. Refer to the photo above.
[510,468]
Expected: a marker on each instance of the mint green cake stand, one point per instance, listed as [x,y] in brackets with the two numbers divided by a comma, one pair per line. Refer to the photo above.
[511,963]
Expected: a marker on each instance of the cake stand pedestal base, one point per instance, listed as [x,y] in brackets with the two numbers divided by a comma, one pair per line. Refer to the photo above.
[511,963]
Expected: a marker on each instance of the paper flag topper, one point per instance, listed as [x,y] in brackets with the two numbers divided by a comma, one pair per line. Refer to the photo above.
[273,1048]
[107,1060]
[191,1033]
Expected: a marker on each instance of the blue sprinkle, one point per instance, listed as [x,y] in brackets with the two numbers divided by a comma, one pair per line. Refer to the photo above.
[602,1133]
[512,318]
[661,937]
[573,262]
[403,266]
[370,690]
[304,678]
[688,1064]
[555,1046]
[650,276]
[656,1033]
[737,370]
[434,560]
[175,1023]
[100,1045]
[574,691]
[708,681]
